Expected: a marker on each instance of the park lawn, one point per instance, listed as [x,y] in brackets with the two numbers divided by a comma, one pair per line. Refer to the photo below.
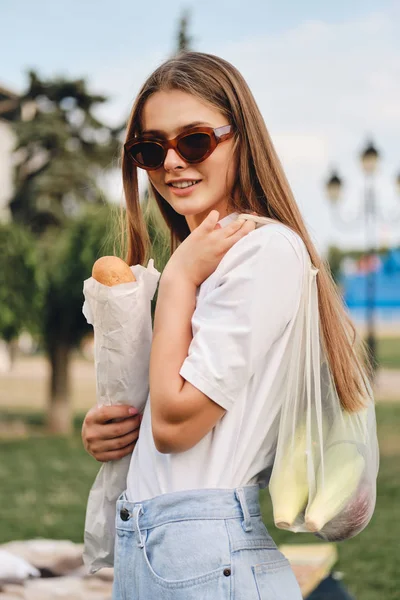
[389,353]
[45,481]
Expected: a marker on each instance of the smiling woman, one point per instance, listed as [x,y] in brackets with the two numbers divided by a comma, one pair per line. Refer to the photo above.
[180,132]
[189,522]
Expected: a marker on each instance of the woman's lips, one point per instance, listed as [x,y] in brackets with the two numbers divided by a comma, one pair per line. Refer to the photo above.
[183,191]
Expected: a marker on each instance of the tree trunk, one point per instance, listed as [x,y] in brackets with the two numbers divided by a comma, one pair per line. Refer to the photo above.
[13,350]
[59,418]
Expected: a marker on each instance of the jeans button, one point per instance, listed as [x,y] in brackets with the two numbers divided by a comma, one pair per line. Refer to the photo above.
[124,514]
[227,572]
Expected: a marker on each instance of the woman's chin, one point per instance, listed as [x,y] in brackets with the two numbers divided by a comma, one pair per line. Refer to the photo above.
[187,207]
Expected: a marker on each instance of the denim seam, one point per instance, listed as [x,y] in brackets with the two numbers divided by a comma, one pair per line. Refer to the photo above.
[258,543]
[274,567]
[182,583]
[232,578]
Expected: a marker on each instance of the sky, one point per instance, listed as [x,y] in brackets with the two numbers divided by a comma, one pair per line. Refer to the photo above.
[326,77]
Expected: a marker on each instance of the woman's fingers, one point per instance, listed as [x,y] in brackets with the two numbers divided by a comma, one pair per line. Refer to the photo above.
[107,447]
[231,228]
[234,226]
[115,430]
[115,454]
[109,432]
[106,413]
[236,234]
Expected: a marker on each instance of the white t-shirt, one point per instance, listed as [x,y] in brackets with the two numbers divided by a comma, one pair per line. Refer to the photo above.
[243,317]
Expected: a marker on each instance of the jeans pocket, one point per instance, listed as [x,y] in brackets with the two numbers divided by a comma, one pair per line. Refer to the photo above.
[275,580]
[187,553]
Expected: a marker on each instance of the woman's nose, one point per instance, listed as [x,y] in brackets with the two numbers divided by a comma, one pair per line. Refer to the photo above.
[173,160]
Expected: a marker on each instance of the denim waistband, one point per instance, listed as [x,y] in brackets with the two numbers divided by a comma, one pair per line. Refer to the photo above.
[191,504]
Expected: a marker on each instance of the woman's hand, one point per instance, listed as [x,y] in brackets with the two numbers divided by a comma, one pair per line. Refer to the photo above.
[106,440]
[200,253]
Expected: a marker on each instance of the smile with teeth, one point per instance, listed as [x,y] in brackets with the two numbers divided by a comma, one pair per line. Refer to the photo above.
[184,184]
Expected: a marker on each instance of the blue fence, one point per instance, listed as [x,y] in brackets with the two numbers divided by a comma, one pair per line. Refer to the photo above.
[387,295]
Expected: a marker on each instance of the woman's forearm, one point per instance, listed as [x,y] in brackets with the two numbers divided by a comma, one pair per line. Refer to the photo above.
[172,335]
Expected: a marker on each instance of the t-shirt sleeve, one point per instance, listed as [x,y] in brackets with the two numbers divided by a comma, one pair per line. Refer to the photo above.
[239,320]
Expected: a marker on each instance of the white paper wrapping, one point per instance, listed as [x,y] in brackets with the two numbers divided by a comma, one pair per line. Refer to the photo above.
[121,319]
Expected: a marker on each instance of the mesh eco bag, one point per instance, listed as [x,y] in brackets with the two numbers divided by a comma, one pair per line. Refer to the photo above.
[121,319]
[326,464]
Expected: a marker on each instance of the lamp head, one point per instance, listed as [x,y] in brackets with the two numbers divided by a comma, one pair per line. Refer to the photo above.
[334,187]
[369,158]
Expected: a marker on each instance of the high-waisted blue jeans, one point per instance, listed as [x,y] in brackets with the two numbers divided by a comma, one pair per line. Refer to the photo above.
[206,544]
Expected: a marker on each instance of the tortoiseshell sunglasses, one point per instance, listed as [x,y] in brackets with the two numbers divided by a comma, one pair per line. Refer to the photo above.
[193,146]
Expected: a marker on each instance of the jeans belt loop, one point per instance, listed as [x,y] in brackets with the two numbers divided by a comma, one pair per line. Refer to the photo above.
[140,542]
[240,495]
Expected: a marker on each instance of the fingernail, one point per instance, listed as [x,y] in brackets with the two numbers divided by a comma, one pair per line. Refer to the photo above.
[133,411]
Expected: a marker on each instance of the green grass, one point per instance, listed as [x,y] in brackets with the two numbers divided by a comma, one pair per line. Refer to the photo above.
[45,481]
[44,485]
[389,353]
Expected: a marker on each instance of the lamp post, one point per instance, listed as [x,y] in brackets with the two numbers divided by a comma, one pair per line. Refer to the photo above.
[369,161]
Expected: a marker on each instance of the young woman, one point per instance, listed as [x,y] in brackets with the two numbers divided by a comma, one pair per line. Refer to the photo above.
[189,524]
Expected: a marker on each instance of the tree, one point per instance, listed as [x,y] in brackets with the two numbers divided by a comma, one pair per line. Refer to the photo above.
[21,282]
[184,40]
[67,265]
[61,151]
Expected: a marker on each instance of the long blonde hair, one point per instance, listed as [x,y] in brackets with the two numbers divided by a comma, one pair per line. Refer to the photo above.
[260,186]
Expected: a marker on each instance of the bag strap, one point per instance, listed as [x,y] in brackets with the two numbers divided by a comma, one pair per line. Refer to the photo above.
[257,219]
[260,221]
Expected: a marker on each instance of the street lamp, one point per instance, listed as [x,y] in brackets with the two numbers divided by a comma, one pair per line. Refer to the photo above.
[334,187]
[369,161]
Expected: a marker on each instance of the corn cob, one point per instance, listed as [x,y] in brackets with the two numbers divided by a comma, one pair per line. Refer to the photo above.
[288,484]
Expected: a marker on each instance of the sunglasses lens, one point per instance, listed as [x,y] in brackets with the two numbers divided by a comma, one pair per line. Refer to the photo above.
[194,146]
[148,154]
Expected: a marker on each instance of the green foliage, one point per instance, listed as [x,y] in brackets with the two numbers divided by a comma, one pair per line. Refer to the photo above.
[61,151]
[158,232]
[69,258]
[335,257]
[21,282]
[159,239]
[389,352]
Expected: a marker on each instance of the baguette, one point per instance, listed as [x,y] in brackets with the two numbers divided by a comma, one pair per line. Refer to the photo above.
[111,270]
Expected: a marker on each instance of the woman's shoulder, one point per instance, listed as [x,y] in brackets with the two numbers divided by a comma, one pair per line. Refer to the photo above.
[272,241]
[280,236]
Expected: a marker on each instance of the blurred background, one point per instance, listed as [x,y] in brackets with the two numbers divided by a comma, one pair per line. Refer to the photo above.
[326,77]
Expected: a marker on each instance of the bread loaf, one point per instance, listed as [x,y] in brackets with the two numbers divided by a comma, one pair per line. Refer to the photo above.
[111,270]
